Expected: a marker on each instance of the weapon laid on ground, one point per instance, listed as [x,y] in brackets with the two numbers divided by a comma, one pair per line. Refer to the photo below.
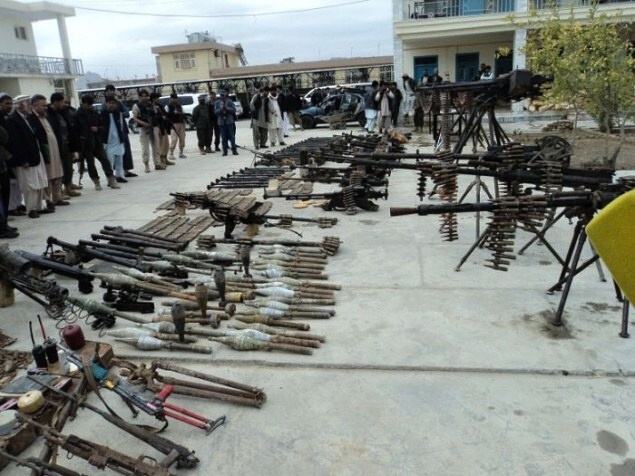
[105,315]
[39,467]
[16,270]
[328,246]
[97,455]
[246,210]
[183,457]
[349,198]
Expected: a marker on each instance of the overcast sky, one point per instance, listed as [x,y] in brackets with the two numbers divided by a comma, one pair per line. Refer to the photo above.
[115,45]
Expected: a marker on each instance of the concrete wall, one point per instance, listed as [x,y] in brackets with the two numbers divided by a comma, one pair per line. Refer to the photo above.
[447,56]
[205,62]
[9,43]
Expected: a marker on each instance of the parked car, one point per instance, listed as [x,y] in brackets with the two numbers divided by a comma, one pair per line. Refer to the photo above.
[328,90]
[349,103]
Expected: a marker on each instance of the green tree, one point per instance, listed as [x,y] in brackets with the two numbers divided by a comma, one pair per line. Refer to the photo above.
[591,61]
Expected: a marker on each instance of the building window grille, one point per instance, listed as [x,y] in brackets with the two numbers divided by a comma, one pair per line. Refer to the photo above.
[184,60]
[386,73]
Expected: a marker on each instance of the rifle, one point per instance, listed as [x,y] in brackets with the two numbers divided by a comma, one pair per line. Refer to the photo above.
[348,198]
[15,269]
[183,457]
[100,456]
[39,467]
[82,277]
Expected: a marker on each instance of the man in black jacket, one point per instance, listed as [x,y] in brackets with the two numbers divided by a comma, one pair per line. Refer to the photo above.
[90,134]
[67,139]
[215,131]
[259,107]
[27,160]
[6,231]
[294,105]
[177,119]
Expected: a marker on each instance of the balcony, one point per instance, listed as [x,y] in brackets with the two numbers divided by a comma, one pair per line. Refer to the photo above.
[542,4]
[23,65]
[457,8]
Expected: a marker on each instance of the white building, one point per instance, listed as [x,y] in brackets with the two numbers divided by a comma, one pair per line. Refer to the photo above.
[456,36]
[22,71]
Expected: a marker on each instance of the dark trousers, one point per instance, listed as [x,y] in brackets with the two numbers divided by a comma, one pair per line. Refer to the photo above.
[217,136]
[5,194]
[204,135]
[67,164]
[127,156]
[90,152]
[228,134]
[418,119]
[395,117]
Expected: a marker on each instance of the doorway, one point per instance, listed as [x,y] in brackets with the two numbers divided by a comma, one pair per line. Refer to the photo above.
[467,66]
[503,64]
[425,64]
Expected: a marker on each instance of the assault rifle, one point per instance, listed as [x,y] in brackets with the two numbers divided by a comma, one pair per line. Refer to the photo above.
[348,198]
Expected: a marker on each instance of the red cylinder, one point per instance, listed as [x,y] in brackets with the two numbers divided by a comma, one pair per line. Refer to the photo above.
[73,336]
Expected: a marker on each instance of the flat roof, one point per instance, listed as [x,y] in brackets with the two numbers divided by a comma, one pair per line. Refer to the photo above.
[204,45]
[302,67]
[37,11]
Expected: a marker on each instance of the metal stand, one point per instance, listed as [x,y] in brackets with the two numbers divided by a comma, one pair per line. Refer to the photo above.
[479,184]
[540,235]
[624,331]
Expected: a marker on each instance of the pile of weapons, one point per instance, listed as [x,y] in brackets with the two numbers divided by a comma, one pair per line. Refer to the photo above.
[357,184]
[53,398]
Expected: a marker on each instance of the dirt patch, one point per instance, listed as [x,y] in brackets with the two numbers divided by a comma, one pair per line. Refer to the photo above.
[590,148]
[545,320]
[369,222]
[544,263]
[600,307]
[618,382]
[612,443]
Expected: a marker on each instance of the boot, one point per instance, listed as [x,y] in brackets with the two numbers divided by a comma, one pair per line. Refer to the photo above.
[76,187]
[159,166]
[97,185]
[202,151]
[167,162]
[147,168]
[112,182]
[69,191]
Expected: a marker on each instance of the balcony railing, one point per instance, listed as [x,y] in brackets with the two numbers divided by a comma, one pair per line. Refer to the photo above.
[422,9]
[39,65]
[457,8]
[542,4]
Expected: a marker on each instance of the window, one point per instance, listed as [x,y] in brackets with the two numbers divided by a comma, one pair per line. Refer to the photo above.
[20,32]
[356,75]
[184,60]
[386,73]
[226,61]
[186,100]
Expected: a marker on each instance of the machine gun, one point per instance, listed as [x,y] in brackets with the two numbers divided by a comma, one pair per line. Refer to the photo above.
[508,213]
[247,211]
[473,100]
[349,198]
[100,456]
[83,278]
[16,270]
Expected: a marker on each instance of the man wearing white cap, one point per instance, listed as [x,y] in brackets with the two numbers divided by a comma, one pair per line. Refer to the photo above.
[30,168]
[50,150]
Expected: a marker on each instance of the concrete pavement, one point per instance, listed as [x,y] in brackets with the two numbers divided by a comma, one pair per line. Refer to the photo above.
[425,370]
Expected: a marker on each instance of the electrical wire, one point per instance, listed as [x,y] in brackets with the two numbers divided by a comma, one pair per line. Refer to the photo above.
[221,15]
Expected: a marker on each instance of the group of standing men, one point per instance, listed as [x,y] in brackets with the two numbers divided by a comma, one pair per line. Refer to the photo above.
[272,114]
[41,140]
[215,120]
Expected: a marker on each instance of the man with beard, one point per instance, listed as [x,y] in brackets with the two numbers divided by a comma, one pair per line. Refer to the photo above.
[27,160]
